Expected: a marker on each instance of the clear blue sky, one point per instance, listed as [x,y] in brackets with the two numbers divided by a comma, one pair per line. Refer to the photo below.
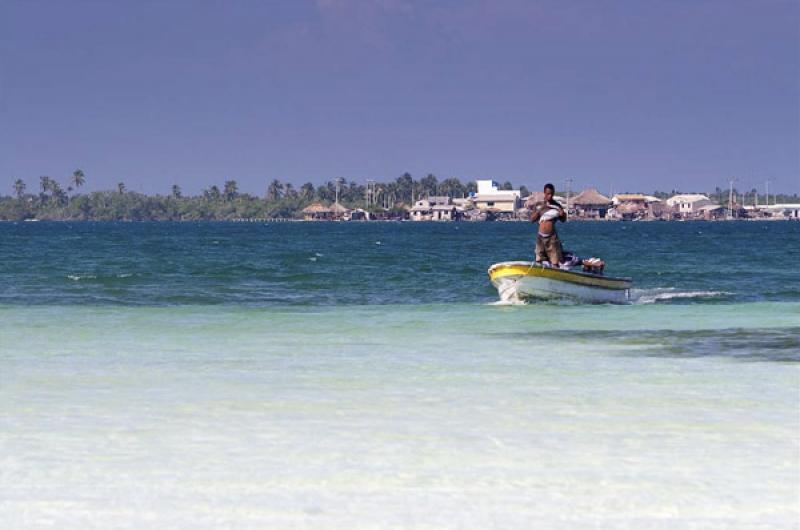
[623,95]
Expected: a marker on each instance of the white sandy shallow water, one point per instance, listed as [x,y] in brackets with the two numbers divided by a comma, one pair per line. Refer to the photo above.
[654,416]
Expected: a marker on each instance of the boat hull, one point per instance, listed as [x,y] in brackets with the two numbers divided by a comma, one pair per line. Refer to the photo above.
[523,280]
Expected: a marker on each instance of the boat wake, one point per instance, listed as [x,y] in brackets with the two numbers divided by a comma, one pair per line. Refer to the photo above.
[637,297]
[667,294]
[508,302]
[86,277]
[548,302]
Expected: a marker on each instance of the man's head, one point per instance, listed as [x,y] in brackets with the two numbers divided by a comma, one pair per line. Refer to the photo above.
[549,191]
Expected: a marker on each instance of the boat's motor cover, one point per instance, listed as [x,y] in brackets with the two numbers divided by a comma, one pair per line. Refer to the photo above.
[594,265]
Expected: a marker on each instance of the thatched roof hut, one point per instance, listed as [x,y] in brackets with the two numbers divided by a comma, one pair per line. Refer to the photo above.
[316,208]
[590,197]
[316,211]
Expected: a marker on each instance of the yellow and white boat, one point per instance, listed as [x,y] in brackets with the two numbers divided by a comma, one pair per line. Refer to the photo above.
[525,280]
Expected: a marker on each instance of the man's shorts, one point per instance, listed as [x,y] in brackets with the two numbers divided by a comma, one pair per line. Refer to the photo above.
[549,249]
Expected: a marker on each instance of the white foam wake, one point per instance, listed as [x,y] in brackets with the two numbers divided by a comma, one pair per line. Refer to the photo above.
[652,296]
[516,301]
[79,277]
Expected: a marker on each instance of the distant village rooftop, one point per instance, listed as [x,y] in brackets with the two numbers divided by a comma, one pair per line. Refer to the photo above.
[590,197]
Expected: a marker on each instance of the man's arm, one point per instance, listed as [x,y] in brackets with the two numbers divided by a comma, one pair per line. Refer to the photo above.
[536,211]
[562,214]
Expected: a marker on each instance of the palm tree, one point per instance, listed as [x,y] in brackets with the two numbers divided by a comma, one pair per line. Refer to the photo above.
[274,190]
[19,188]
[289,191]
[416,191]
[307,191]
[212,194]
[78,178]
[230,190]
[45,183]
[121,187]
[176,191]
[428,185]
[326,192]
[405,187]
[451,187]
[58,193]
[391,193]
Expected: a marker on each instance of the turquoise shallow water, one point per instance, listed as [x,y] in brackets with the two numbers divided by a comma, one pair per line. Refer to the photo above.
[180,382]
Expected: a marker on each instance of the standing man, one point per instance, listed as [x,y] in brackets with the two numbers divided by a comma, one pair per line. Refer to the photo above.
[546,213]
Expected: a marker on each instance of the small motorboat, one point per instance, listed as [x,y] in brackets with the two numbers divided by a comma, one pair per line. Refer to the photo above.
[525,280]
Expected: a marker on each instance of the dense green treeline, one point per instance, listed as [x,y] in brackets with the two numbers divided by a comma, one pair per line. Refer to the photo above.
[281,200]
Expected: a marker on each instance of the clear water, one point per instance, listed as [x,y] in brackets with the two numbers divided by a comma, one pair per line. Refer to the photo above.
[360,376]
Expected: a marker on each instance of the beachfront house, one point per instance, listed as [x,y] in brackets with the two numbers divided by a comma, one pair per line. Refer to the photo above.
[629,206]
[444,212]
[436,208]
[590,204]
[711,212]
[632,198]
[773,211]
[787,211]
[421,211]
[491,199]
[689,204]
[359,214]
[628,211]
[317,212]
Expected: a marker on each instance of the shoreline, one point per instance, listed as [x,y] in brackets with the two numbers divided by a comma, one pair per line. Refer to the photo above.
[324,221]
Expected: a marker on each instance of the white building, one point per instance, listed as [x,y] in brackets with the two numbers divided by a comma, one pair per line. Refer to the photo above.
[790,211]
[444,212]
[439,208]
[491,197]
[422,211]
[690,203]
[776,211]
[630,198]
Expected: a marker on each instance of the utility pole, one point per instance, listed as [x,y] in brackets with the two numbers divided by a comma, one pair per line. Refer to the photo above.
[338,182]
[370,192]
[730,200]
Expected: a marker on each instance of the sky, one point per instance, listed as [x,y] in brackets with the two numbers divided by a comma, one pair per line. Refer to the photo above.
[624,95]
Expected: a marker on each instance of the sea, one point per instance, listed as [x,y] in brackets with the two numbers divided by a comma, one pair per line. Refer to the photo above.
[365,376]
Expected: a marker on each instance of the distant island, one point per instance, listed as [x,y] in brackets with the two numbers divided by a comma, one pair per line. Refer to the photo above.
[404,198]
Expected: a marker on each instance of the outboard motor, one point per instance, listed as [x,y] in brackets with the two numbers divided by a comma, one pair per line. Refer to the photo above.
[594,266]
